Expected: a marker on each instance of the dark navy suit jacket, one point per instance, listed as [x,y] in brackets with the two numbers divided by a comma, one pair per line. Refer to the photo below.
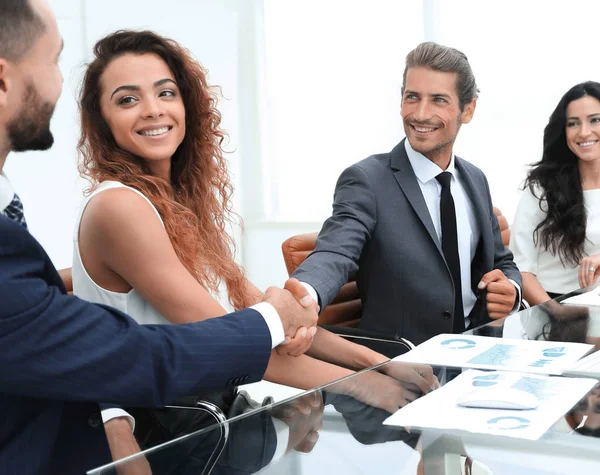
[60,356]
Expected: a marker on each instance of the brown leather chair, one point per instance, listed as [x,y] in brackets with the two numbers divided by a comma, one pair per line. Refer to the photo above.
[504,229]
[345,309]
[67,278]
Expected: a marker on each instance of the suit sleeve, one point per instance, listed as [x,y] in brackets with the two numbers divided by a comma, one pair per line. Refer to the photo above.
[503,258]
[56,346]
[343,236]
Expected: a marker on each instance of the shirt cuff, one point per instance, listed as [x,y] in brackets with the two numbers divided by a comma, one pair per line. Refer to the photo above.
[108,414]
[519,297]
[311,291]
[282,431]
[273,321]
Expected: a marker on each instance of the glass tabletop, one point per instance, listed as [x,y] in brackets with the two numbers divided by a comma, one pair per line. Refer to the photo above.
[338,428]
[550,321]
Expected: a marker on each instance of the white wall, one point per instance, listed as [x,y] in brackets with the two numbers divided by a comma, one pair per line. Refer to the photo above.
[48,181]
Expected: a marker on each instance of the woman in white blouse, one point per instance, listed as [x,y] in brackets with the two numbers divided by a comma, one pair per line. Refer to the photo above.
[556,231]
[151,238]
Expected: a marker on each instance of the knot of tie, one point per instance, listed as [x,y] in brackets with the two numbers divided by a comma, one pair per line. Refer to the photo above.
[444,179]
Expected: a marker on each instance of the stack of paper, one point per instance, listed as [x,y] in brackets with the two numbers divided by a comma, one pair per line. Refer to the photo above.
[526,356]
[591,298]
[439,409]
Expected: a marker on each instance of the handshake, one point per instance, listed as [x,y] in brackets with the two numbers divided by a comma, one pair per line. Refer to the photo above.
[298,313]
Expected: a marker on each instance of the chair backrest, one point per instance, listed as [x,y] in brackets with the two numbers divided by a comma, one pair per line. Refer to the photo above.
[345,309]
[67,277]
[504,229]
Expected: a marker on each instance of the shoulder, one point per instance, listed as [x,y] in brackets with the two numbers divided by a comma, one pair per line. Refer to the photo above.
[14,239]
[20,254]
[375,163]
[532,199]
[371,167]
[469,167]
[118,209]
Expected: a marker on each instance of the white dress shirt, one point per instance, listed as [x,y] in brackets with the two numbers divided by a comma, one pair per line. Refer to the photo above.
[548,269]
[6,192]
[468,229]
[467,226]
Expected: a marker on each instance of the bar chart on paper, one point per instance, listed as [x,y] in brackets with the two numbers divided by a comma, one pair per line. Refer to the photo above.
[481,352]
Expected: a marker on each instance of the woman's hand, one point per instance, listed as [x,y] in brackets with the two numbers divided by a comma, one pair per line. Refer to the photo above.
[388,393]
[419,378]
[589,270]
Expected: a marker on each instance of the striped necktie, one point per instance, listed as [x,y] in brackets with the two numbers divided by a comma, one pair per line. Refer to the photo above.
[14,211]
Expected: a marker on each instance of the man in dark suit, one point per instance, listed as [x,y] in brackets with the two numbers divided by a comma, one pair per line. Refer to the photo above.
[424,245]
[60,355]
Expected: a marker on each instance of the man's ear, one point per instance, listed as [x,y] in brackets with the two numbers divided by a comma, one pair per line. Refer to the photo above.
[468,111]
[4,82]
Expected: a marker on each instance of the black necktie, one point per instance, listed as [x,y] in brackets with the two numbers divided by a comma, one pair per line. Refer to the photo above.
[14,211]
[450,248]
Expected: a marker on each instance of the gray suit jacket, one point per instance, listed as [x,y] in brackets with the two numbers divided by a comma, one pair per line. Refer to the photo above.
[381,232]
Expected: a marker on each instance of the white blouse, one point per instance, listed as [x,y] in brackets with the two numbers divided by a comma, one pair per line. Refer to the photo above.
[131,303]
[549,270]
[84,286]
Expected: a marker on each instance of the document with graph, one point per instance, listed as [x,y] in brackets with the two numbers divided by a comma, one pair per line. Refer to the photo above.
[482,352]
[440,409]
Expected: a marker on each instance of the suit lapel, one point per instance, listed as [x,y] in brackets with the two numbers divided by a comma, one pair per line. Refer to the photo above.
[477,200]
[407,180]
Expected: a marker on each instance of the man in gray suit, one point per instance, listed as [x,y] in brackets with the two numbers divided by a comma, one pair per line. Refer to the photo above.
[416,226]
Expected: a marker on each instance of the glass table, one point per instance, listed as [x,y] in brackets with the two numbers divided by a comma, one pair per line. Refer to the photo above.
[338,428]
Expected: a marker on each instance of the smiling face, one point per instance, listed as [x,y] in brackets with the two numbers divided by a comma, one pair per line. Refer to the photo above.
[431,113]
[141,103]
[583,128]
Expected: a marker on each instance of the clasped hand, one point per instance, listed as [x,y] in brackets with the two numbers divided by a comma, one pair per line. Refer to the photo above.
[298,313]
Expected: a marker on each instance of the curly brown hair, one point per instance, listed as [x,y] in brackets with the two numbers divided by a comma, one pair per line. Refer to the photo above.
[196,205]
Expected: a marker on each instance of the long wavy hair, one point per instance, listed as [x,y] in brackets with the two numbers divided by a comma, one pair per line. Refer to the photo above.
[196,204]
[556,176]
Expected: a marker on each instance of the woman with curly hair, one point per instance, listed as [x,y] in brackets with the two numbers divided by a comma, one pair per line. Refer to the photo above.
[151,239]
[556,231]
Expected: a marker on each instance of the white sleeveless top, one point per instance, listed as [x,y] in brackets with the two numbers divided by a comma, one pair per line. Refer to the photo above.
[131,303]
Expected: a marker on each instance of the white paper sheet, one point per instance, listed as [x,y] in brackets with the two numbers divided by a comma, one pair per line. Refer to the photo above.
[482,352]
[439,409]
[591,298]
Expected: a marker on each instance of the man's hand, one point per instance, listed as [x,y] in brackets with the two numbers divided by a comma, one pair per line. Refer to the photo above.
[501,294]
[292,314]
[304,337]
[298,345]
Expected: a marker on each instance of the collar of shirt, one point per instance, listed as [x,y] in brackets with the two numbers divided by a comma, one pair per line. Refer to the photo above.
[425,169]
[6,191]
